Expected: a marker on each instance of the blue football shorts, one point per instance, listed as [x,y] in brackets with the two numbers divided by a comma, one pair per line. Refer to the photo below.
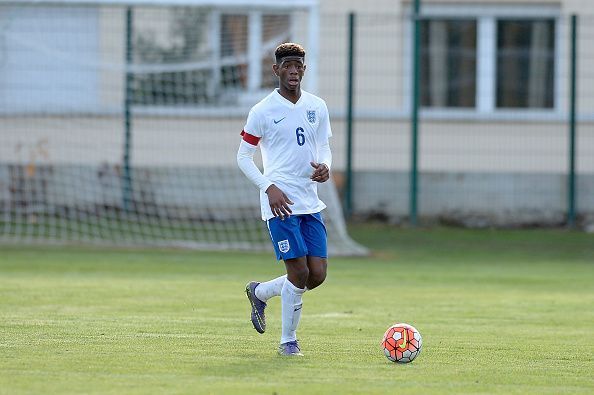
[298,235]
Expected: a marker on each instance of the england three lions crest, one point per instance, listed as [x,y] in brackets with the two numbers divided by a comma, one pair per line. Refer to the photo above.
[311,116]
[284,246]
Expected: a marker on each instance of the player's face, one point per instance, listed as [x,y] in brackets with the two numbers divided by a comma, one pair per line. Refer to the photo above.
[290,73]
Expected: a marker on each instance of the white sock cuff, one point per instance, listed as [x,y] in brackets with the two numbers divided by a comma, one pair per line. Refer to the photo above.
[293,289]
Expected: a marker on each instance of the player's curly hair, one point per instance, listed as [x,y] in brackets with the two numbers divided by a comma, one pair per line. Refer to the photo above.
[288,49]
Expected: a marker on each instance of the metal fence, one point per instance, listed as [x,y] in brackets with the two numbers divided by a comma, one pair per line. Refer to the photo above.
[494,143]
[499,136]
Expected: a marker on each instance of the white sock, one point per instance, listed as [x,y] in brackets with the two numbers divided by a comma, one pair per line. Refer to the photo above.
[291,311]
[267,290]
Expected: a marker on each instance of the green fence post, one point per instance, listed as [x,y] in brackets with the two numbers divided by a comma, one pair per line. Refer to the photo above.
[348,194]
[415,115]
[571,187]
[127,193]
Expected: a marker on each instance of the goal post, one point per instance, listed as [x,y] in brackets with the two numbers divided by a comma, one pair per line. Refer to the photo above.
[120,121]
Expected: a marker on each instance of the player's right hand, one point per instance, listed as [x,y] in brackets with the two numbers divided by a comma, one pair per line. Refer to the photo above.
[279,202]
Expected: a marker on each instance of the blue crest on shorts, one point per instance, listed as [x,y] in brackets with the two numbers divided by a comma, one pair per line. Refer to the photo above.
[284,246]
[311,116]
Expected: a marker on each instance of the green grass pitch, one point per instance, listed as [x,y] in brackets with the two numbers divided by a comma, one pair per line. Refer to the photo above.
[499,311]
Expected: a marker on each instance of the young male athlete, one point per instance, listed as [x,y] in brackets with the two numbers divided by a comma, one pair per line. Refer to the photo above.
[292,128]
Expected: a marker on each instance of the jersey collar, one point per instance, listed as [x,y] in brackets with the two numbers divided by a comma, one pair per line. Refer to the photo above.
[286,102]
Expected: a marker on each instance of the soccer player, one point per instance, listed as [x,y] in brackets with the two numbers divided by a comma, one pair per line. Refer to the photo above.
[292,128]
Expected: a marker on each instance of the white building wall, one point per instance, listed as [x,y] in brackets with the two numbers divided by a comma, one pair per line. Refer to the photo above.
[447,144]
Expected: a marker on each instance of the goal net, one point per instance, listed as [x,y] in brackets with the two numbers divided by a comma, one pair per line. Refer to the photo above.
[120,125]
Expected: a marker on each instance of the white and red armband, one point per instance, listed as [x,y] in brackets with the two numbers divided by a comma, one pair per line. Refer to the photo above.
[250,138]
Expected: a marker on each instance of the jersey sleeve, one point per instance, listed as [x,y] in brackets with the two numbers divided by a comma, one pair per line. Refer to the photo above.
[325,131]
[324,134]
[253,125]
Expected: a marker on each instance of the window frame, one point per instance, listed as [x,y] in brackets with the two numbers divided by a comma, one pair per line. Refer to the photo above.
[255,88]
[254,92]
[486,84]
[308,34]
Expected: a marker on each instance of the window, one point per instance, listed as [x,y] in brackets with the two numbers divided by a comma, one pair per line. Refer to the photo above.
[172,45]
[234,44]
[199,56]
[275,31]
[489,59]
[525,63]
[44,56]
[448,63]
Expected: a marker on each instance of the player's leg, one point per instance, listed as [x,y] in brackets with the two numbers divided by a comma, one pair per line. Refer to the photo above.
[291,303]
[269,289]
[304,272]
[314,236]
[258,294]
[258,316]
[290,247]
[318,268]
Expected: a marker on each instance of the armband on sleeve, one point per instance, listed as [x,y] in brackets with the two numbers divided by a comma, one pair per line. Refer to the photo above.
[250,138]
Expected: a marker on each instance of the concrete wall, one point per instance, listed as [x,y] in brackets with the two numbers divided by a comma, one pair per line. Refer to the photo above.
[475,199]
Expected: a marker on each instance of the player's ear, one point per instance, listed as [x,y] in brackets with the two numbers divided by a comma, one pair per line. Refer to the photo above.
[275,69]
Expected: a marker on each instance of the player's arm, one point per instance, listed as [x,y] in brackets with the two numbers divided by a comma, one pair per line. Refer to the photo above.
[279,202]
[322,167]
[245,161]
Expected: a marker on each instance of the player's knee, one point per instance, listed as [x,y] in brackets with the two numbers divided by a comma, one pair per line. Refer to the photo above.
[303,274]
[315,282]
[316,278]
[298,275]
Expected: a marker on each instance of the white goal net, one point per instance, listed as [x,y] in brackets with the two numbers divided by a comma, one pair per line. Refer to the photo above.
[120,125]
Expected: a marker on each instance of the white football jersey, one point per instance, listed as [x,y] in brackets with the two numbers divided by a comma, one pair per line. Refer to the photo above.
[290,137]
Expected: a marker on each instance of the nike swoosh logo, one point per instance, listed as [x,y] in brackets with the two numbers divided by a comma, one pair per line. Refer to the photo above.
[403,345]
[275,121]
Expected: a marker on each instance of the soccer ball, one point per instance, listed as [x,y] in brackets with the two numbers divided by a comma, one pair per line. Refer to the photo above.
[402,343]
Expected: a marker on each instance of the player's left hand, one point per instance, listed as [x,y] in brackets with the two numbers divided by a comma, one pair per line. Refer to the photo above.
[321,172]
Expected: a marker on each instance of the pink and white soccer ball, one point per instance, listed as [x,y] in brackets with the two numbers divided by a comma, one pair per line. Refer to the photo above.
[402,343]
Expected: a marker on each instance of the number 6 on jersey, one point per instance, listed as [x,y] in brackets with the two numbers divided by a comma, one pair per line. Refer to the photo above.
[300,136]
